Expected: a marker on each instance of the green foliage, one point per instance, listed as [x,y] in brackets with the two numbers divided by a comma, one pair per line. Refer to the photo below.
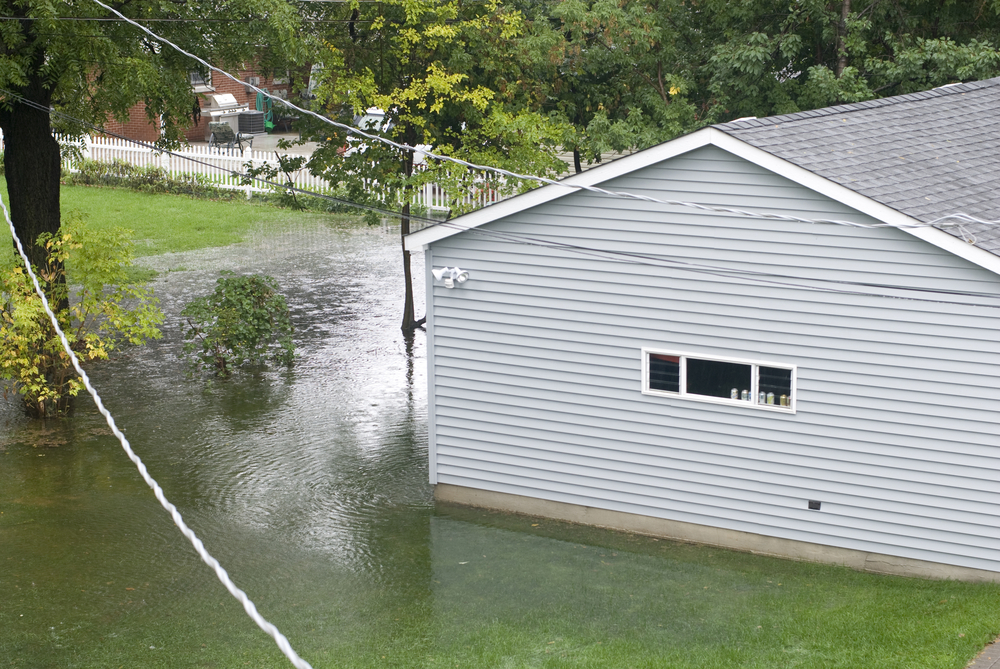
[441,70]
[618,72]
[769,57]
[626,74]
[148,179]
[100,311]
[245,321]
[73,59]
[286,167]
[96,68]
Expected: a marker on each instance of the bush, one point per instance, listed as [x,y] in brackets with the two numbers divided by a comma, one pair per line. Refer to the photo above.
[143,179]
[245,321]
[102,312]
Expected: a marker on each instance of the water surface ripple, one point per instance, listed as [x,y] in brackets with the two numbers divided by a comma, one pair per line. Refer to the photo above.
[309,485]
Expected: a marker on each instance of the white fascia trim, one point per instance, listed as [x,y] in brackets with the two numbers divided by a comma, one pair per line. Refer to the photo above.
[591,177]
[856,201]
[730,144]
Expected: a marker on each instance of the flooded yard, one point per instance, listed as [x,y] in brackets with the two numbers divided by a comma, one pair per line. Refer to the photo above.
[310,486]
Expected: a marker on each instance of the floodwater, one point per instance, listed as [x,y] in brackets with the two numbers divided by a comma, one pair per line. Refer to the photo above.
[300,481]
[309,485]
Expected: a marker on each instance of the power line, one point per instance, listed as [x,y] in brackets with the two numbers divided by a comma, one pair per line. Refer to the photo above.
[199,547]
[244,175]
[784,280]
[726,272]
[959,217]
[109,19]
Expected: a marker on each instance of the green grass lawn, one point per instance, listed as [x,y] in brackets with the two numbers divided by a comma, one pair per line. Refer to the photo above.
[602,599]
[170,223]
[478,590]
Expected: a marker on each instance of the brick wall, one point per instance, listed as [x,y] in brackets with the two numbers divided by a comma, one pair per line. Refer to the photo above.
[137,127]
[140,127]
[223,85]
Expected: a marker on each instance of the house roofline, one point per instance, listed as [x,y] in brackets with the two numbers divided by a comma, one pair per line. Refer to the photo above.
[708,137]
[591,177]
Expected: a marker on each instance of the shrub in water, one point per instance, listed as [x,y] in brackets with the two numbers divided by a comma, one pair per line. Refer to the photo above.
[245,321]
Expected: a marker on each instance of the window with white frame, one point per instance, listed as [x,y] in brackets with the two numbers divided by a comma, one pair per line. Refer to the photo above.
[201,83]
[733,381]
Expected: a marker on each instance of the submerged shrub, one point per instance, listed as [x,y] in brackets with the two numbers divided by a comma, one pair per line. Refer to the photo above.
[102,311]
[245,321]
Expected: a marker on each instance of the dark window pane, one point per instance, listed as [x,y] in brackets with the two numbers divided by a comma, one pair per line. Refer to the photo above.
[664,373]
[717,379]
[775,382]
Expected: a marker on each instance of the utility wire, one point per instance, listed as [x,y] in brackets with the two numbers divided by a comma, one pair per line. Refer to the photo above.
[650,260]
[243,175]
[955,219]
[730,273]
[109,19]
[603,254]
[199,547]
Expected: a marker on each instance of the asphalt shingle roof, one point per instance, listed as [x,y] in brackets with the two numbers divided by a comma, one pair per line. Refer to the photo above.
[924,154]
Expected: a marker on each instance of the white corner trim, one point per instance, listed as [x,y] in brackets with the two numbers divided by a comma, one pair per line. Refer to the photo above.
[734,146]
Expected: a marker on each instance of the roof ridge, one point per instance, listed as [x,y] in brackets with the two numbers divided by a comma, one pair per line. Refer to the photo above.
[947,89]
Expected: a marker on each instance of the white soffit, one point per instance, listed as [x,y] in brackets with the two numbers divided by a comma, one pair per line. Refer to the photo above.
[728,143]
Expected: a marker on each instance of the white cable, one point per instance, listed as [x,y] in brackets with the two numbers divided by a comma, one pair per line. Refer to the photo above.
[959,218]
[199,547]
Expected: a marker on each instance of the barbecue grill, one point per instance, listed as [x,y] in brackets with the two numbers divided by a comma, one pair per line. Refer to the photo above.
[223,108]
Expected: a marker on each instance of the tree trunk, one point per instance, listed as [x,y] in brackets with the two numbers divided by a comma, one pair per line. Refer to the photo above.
[845,11]
[576,160]
[32,166]
[409,321]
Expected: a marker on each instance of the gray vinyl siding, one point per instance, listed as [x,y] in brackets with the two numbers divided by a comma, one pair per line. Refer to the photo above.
[535,366]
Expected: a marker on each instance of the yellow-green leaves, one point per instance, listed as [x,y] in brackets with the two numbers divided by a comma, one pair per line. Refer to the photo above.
[99,312]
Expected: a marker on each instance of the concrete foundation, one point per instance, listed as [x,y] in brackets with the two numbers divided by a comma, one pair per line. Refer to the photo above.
[712,536]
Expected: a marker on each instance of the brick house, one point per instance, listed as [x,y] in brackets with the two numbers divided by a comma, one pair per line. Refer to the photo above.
[141,127]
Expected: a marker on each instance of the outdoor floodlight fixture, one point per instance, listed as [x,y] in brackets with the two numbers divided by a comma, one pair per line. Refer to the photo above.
[450,276]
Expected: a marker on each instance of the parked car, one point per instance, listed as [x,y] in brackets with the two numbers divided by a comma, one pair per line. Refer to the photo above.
[374,121]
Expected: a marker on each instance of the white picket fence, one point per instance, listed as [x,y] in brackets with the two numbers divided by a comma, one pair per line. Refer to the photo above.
[219,166]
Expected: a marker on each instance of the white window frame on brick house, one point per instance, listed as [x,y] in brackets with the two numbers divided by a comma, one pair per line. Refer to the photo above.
[754,390]
[200,83]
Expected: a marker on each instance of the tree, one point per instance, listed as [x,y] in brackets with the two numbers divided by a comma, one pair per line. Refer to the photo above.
[771,57]
[59,55]
[441,70]
[107,310]
[627,74]
[618,72]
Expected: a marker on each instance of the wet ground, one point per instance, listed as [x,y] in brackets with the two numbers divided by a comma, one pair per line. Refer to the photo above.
[285,473]
[309,485]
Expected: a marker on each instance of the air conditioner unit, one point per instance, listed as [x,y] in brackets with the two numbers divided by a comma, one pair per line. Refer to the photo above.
[253,81]
[252,123]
